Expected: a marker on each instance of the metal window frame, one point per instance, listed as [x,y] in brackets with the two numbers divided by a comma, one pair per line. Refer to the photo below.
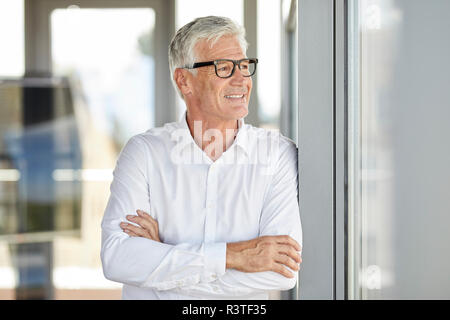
[251,30]
[323,148]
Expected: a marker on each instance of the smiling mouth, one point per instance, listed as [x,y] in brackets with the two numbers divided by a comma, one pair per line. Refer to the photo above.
[235,96]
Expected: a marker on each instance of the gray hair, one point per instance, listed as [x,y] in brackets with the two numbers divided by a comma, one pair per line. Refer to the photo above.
[211,28]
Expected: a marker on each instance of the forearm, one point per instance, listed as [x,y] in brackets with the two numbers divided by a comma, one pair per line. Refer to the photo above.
[265,263]
[146,263]
[236,285]
[255,281]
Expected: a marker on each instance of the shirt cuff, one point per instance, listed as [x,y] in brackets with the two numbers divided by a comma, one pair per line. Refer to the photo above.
[215,258]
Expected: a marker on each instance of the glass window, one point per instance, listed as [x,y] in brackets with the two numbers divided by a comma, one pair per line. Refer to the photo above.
[12,59]
[112,63]
[399,151]
[111,66]
[289,71]
[188,10]
[269,68]
[59,140]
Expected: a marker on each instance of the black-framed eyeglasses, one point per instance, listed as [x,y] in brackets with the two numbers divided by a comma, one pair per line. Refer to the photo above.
[225,67]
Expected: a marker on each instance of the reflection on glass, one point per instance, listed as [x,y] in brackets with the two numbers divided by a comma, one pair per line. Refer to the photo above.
[59,140]
[269,74]
[108,55]
[399,178]
[38,133]
[373,32]
[188,10]
[12,60]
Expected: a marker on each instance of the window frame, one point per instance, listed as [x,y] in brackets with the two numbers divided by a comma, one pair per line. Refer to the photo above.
[322,132]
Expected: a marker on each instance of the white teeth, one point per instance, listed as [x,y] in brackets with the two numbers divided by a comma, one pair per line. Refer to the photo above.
[235,96]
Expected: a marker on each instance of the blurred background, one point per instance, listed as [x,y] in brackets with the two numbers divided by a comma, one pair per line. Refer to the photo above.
[77,80]
[398,149]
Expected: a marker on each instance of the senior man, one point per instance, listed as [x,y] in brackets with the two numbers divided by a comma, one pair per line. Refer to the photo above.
[205,208]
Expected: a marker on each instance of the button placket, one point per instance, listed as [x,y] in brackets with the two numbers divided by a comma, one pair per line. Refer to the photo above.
[211,198]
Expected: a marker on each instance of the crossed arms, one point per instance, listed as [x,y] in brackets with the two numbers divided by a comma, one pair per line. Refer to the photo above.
[266,253]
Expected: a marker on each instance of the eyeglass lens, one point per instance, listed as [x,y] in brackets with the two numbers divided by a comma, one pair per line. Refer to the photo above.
[225,68]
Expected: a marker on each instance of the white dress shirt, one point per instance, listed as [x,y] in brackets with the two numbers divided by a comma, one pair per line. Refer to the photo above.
[200,205]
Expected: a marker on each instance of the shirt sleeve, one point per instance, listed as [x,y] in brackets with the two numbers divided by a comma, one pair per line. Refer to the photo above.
[140,261]
[280,216]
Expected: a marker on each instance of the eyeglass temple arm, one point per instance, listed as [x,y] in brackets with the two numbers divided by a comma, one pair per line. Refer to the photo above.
[200,64]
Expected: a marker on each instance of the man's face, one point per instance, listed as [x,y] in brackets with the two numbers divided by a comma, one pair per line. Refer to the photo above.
[217,97]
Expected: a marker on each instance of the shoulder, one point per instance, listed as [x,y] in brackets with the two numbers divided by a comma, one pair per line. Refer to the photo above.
[287,145]
[154,137]
[272,139]
[149,144]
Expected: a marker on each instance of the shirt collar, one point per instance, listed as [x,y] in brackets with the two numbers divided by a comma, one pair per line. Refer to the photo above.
[241,139]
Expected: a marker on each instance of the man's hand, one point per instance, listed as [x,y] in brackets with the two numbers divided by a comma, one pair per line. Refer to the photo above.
[148,226]
[267,253]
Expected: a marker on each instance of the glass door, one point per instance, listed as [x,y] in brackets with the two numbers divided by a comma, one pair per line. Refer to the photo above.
[108,55]
[399,177]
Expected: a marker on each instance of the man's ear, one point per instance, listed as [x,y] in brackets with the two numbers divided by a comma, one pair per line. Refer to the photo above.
[181,79]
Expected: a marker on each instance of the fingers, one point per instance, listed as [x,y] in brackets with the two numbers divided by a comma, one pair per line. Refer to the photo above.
[129,228]
[130,233]
[279,268]
[145,218]
[290,252]
[144,223]
[147,226]
[287,261]
[286,256]
[288,240]
[150,223]
[144,215]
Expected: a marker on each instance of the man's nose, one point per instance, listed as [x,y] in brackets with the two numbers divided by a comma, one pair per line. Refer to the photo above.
[238,75]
